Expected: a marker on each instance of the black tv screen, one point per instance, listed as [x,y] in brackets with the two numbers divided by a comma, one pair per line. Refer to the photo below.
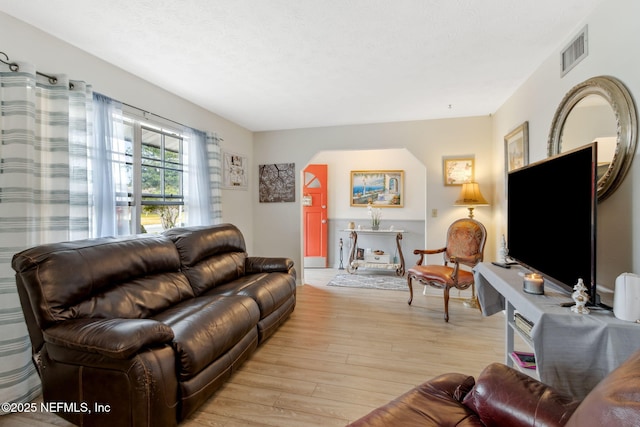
[551,217]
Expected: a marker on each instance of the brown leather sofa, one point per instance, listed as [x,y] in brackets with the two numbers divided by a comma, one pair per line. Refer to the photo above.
[141,330]
[502,396]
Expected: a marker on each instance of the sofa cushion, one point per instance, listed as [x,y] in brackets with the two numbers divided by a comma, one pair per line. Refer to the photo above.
[197,243]
[215,271]
[504,396]
[269,290]
[210,255]
[127,277]
[206,327]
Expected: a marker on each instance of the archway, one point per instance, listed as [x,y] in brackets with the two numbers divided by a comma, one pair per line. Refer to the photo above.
[411,217]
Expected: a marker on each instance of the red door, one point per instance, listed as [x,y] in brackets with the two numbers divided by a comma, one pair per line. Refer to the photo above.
[314,211]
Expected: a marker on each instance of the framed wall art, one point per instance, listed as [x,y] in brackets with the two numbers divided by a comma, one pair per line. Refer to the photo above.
[516,148]
[277,182]
[234,171]
[381,188]
[457,171]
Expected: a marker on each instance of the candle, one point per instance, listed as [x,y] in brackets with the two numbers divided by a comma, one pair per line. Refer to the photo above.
[533,284]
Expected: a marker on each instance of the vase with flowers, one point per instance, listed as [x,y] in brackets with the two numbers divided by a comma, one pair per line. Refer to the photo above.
[375,214]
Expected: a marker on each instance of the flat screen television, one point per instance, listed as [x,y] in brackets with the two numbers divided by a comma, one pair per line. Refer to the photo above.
[551,218]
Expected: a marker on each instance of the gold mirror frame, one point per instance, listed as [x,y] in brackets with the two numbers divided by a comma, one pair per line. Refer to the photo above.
[624,110]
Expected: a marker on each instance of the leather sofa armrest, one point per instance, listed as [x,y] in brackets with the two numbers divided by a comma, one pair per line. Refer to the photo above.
[116,338]
[435,402]
[504,396]
[615,401]
[255,264]
[454,385]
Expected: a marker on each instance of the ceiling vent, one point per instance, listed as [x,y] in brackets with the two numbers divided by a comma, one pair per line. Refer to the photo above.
[575,52]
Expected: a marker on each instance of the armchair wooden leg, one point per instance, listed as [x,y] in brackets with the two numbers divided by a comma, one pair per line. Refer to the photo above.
[446,303]
[410,290]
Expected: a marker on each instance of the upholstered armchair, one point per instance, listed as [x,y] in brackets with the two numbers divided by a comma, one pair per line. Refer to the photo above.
[465,246]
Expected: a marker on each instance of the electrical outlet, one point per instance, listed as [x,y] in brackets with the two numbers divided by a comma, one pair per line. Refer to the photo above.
[434,213]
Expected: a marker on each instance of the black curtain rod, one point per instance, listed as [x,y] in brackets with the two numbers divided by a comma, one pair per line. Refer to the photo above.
[161,117]
[153,114]
[53,80]
[15,68]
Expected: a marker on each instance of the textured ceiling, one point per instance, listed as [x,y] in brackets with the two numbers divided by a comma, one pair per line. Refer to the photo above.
[283,64]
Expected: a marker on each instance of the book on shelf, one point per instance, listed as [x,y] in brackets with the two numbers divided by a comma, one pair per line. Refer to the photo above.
[526,360]
[523,324]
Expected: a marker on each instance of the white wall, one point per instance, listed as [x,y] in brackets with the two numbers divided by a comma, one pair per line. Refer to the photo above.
[613,50]
[277,225]
[24,43]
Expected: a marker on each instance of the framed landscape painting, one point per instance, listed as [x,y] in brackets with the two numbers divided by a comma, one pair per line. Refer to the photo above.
[380,188]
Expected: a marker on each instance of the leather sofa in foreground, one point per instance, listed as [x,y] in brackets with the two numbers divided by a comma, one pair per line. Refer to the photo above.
[504,397]
[141,330]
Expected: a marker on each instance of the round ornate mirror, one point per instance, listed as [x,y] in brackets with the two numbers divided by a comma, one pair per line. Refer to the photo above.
[599,109]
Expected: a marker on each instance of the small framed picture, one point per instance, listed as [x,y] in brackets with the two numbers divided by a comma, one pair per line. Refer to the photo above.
[457,171]
[234,171]
[516,148]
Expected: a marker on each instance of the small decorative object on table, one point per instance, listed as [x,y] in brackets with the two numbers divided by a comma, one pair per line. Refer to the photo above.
[533,283]
[375,214]
[503,252]
[581,298]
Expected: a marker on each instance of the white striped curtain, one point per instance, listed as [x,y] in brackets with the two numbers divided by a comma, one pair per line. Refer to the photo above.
[54,154]
[203,198]
[43,196]
[214,155]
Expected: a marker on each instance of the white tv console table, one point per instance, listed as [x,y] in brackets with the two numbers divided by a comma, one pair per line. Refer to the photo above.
[573,352]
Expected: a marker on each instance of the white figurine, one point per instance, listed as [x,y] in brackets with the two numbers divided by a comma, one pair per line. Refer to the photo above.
[581,298]
[502,253]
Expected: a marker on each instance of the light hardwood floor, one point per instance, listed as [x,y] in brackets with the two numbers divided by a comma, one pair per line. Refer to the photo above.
[342,353]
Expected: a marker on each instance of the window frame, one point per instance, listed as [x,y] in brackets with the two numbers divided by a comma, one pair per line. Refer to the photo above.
[136,198]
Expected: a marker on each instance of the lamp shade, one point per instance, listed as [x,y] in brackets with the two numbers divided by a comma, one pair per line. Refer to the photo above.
[470,195]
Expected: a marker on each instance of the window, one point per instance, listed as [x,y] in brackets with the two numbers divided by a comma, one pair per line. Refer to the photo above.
[149,175]
[154,160]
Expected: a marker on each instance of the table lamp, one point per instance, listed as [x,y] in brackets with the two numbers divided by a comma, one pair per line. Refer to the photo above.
[470,196]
